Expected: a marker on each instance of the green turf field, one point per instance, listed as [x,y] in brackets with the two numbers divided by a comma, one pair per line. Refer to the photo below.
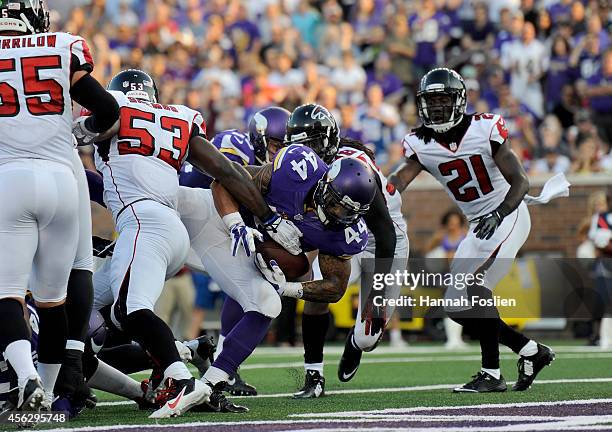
[418,376]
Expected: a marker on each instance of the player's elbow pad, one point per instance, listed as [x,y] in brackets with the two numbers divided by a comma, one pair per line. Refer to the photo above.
[91,95]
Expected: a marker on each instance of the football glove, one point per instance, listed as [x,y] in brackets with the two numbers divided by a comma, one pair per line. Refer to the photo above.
[284,232]
[241,234]
[81,132]
[374,317]
[272,273]
[488,223]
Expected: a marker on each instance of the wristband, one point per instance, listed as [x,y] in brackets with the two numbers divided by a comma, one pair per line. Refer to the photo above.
[232,219]
[293,289]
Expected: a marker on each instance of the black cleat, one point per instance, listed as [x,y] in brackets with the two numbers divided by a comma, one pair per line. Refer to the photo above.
[483,383]
[202,356]
[351,357]
[529,367]
[314,386]
[218,402]
[238,387]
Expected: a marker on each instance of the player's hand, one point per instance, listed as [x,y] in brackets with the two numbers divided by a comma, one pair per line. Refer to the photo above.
[241,234]
[374,317]
[488,224]
[285,233]
[272,272]
[102,248]
[82,134]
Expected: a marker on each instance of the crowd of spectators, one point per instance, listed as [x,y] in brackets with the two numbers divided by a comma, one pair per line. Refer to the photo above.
[545,65]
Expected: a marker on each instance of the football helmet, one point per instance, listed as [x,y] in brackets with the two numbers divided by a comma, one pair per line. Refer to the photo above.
[314,126]
[441,99]
[24,16]
[135,83]
[269,124]
[345,193]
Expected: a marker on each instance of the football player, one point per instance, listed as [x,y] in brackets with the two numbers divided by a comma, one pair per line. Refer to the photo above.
[140,166]
[314,126]
[469,154]
[42,73]
[265,138]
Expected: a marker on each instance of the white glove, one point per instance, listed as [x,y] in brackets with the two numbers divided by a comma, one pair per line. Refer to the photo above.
[83,135]
[184,352]
[241,234]
[602,238]
[285,233]
[272,273]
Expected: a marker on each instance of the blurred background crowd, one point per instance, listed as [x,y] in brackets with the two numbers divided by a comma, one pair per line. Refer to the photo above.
[545,65]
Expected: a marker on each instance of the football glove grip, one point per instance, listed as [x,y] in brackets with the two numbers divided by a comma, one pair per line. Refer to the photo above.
[241,235]
[488,223]
[81,132]
[273,274]
[284,232]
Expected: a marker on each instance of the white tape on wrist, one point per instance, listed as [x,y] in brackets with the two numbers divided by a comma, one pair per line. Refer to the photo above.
[232,219]
[293,289]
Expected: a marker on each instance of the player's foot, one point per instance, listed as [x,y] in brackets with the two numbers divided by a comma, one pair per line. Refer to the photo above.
[529,367]
[202,355]
[236,386]
[314,386]
[483,383]
[456,346]
[31,397]
[184,394]
[218,402]
[350,360]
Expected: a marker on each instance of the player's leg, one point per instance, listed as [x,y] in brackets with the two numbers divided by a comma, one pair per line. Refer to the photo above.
[57,243]
[79,296]
[19,239]
[185,302]
[152,243]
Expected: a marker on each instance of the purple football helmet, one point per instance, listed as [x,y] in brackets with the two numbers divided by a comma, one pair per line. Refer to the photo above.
[345,193]
[96,334]
[268,125]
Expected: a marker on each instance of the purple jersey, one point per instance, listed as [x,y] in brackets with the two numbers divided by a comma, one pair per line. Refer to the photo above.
[233,144]
[296,171]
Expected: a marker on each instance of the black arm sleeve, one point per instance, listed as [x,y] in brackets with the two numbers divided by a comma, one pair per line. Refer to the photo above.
[379,222]
[91,95]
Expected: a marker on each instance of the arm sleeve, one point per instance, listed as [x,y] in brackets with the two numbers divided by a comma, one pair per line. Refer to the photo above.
[91,95]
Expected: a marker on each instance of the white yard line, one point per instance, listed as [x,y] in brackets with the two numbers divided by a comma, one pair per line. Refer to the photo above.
[405,389]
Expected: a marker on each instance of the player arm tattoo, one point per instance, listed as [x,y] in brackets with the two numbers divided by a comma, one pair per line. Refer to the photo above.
[514,173]
[336,272]
[205,156]
[405,173]
[261,176]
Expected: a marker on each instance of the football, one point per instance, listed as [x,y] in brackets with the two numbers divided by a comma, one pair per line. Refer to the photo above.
[294,266]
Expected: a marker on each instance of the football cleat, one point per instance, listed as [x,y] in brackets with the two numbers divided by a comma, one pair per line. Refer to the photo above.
[31,397]
[236,386]
[218,402]
[351,357]
[202,356]
[529,367]
[483,382]
[183,395]
[314,386]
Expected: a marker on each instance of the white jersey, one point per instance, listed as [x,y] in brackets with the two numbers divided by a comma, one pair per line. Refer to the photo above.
[466,169]
[35,102]
[143,160]
[392,197]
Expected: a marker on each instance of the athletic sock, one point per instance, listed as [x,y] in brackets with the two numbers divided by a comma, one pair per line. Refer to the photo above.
[489,342]
[19,355]
[314,331]
[48,375]
[154,335]
[314,366]
[109,379]
[51,344]
[231,314]
[219,347]
[214,375]
[79,300]
[496,373]
[128,358]
[511,338]
[177,370]
[530,348]
[241,341]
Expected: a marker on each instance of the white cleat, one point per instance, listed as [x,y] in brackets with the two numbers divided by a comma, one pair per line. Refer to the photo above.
[184,394]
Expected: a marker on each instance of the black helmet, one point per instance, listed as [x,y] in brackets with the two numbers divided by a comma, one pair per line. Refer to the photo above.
[315,127]
[24,16]
[441,115]
[135,83]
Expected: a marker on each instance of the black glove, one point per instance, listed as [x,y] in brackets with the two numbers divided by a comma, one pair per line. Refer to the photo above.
[488,223]
[102,248]
[374,317]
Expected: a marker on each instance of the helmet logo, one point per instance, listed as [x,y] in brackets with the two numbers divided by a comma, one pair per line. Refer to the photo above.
[320,113]
[261,123]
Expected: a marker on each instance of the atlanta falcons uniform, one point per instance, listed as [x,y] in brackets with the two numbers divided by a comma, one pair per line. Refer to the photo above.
[140,166]
[469,174]
[394,204]
[38,218]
